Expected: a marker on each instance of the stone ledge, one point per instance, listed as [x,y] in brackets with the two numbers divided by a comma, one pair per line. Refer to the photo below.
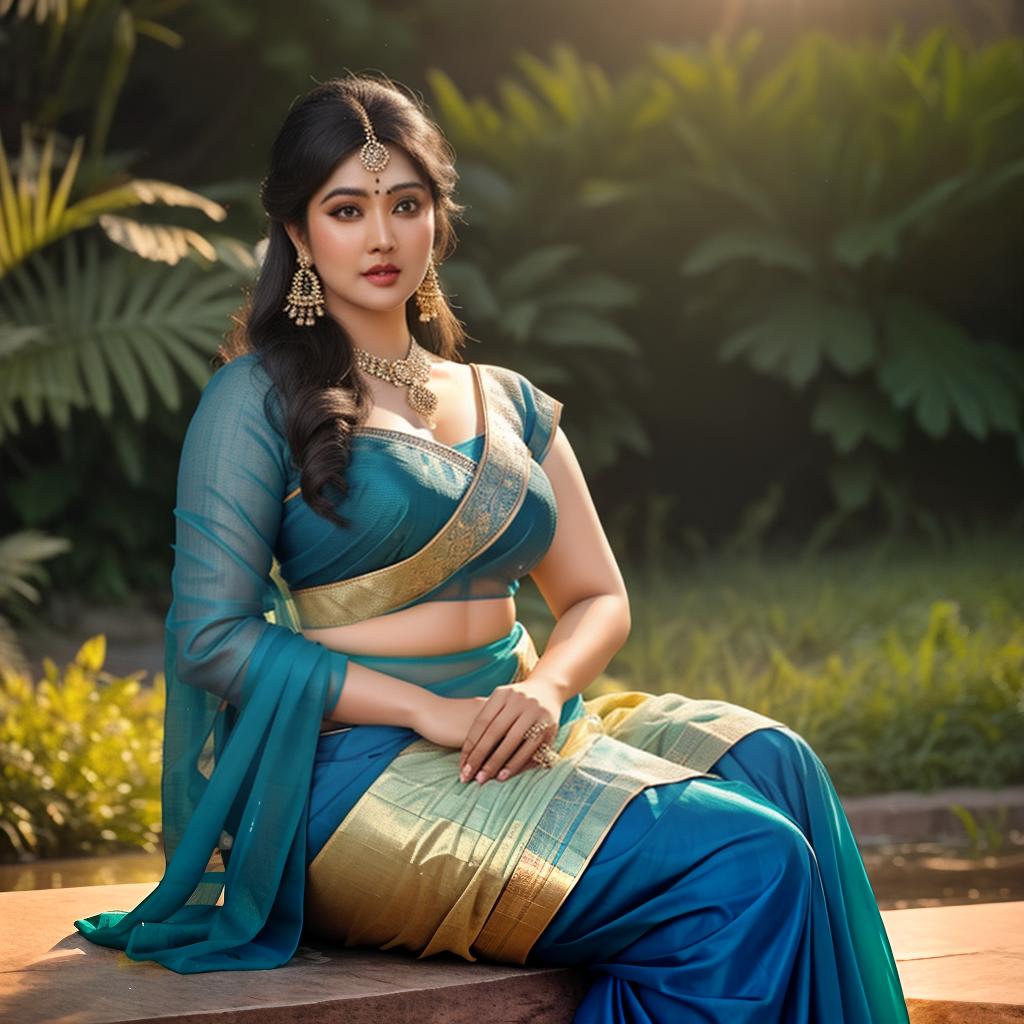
[959,965]
[909,816]
[49,974]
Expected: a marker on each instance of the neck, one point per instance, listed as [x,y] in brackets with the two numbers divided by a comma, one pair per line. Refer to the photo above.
[383,333]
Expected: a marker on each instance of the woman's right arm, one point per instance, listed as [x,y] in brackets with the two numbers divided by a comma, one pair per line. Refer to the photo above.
[375,698]
[230,486]
[231,482]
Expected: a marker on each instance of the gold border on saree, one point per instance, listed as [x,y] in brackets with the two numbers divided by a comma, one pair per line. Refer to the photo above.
[538,886]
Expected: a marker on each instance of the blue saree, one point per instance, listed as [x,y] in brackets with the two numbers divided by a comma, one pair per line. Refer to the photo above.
[691,853]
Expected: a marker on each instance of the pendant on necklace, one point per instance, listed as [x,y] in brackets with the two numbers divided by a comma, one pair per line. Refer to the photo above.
[422,400]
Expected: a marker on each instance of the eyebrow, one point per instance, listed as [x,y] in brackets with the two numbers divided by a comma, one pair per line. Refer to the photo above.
[341,191]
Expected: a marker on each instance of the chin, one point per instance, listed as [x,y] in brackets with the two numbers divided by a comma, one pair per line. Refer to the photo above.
[385,300]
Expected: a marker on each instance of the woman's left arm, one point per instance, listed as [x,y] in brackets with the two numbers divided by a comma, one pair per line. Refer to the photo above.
[580,581]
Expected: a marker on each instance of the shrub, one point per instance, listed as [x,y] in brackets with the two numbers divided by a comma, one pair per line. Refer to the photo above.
[80,757]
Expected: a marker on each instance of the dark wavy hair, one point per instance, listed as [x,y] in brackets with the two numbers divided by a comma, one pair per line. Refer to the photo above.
[310,367]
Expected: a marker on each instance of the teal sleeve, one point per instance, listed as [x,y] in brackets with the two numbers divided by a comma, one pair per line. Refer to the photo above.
[230,493]
[541,416]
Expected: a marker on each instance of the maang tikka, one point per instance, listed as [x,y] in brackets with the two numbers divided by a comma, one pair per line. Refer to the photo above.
[306,297]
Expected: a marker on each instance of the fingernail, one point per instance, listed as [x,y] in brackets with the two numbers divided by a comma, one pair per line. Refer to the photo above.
[503,774]
[465,773]
[481,775]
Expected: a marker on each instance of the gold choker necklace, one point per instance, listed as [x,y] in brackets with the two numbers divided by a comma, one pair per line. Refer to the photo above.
[411,372]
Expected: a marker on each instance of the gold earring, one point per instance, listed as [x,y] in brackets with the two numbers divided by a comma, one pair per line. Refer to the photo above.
[429,296]
[305,296]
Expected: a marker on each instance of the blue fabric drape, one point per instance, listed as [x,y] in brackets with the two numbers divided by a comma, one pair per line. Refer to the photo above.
[730,901]
[737,899]
[245,695]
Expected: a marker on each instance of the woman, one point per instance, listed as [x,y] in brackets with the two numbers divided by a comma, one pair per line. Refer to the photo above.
[357,725]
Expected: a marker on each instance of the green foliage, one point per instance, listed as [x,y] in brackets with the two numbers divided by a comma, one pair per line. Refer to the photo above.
[987,837]
[21,557]
[529,272]
[82,325]
[934,368]
[117,321]
[819,205]
[80,755]
[903,671]
[39,217]
[826,184]
[70,320]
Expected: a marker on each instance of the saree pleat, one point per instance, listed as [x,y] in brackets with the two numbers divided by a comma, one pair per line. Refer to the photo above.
[784,768]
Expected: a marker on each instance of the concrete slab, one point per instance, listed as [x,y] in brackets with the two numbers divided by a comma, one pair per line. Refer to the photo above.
[959,965]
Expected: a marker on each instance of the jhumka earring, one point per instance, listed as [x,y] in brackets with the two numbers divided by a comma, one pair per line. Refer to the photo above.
[429,296]
[305,296]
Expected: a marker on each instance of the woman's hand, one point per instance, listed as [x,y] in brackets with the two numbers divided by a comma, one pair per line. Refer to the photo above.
[494,743]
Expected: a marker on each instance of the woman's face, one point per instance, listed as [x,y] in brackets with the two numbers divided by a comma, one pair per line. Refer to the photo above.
[360,218]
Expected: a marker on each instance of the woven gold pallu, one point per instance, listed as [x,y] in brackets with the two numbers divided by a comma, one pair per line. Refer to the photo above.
[426,862]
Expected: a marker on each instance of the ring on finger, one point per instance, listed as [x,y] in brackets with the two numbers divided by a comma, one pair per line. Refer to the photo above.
[545,756]
[536,729]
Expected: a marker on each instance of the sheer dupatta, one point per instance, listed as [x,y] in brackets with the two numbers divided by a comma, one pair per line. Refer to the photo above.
[246,691]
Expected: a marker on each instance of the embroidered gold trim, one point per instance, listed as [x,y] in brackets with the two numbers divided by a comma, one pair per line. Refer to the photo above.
[609,777]
[552,415]
[548,410]
[429,444]
[449,452]
[490,503]
[526,656]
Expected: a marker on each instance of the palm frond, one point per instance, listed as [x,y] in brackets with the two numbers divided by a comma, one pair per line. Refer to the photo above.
[43,10]
[105,325]
[32,217]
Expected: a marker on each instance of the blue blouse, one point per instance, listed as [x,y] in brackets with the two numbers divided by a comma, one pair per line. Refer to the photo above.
[402,489]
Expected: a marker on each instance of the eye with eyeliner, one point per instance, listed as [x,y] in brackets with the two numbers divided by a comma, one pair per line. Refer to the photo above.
[352,206]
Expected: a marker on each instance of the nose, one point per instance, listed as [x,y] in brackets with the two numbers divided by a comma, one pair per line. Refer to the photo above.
[381,238]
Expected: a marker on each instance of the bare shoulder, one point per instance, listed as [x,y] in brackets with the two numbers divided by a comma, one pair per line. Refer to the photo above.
[450,370]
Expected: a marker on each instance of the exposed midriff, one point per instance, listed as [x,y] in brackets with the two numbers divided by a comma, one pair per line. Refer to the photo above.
[430,627]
